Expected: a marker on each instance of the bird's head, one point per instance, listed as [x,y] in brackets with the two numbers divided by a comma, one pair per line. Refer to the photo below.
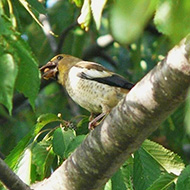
[58,67]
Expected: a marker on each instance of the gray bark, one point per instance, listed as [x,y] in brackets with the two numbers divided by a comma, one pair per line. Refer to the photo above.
[10,179]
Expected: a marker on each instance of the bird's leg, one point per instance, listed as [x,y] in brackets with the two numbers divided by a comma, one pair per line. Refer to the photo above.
[98,118]
[94,122]
[92,116]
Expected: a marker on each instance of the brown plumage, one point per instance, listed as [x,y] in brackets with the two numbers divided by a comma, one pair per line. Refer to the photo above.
[89,84]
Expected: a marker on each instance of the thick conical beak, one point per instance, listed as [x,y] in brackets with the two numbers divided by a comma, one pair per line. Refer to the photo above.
[49,70]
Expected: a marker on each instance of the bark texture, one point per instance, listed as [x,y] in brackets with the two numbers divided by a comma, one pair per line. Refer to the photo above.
[10,179]
[147,105]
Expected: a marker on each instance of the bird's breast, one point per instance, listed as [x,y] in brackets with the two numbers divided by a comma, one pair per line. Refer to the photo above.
[91,95]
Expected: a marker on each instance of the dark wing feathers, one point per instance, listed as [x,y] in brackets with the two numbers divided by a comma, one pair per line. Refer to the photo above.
[113,80]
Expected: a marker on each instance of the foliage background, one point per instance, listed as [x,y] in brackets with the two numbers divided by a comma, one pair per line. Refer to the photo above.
[143,33]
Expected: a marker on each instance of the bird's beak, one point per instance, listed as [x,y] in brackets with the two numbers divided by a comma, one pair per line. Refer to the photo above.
[49,70]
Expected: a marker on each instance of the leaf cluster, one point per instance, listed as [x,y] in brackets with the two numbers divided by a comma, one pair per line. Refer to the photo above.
[38,140]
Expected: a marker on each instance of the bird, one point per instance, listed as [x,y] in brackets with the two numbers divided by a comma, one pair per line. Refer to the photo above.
[89,84]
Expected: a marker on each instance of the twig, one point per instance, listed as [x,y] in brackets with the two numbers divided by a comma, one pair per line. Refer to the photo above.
[63,36]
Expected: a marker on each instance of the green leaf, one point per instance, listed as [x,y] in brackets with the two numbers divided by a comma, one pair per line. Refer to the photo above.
[24,166]
[97,7]
[34,9]
[82,126]
[174,133]
[183,182]
[108,185]
[6,25]
[187,114]
[37,6]
[85,16]
[127,172]
[128,18]
[44,119]
[78,3]
[117,181]
[61,140]
[163,182]
[171,19]
[41,156]
[28,79]
[17,152]
[168,160]
[146,170]
[73,145]
[8,73]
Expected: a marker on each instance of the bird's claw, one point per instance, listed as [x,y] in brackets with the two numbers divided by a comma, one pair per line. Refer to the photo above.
[96,121]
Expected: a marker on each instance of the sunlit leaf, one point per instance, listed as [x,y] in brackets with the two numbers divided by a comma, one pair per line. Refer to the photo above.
[171,19]
[128,18]
[85,16]
[47,118]
[108,185]
[24,166]
[16,153]
[78,2]
[97,7]
[150,161]
[167,159]
[163,182]
[8,73]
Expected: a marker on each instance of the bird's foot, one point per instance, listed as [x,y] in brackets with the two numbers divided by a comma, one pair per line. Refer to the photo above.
[96,121]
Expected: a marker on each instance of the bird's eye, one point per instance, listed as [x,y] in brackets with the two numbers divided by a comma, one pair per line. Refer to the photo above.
[59,57]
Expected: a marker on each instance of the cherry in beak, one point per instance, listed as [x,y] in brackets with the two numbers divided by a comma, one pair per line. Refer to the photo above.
[49,70]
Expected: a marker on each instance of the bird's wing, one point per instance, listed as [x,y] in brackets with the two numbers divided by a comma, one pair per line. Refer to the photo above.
[96,72]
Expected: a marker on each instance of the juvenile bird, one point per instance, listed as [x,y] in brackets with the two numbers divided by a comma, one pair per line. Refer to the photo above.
[89,84]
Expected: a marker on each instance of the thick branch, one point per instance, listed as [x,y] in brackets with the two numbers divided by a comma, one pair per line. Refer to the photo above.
[10,179]
[146,106]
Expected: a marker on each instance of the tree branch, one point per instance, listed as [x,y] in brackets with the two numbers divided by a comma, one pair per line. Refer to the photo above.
[63,36]
[146,106]
[10,179]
